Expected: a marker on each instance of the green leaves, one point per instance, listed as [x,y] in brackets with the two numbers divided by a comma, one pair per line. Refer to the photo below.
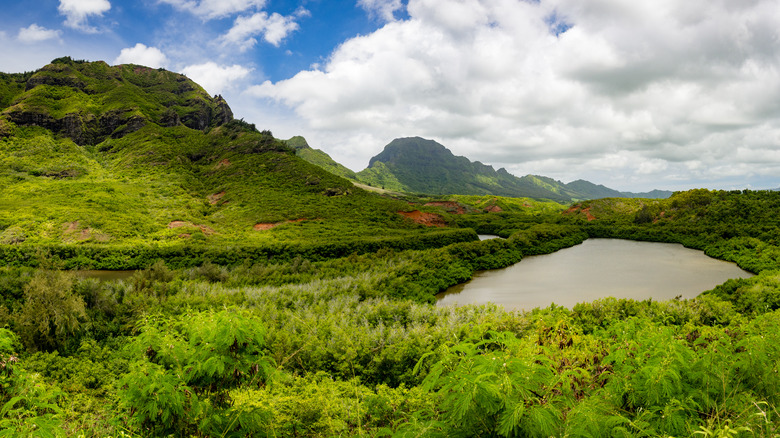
[499,385]
[188,365]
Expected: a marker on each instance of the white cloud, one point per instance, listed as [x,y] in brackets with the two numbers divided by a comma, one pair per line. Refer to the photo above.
[274,28]
[215,78]
[210,9]
[35,34]
[663,83]
[142,55]
[77,11]
[383,9]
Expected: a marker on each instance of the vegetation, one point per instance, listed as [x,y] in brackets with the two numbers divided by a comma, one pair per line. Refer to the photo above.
[114,167]
[319,158]
[276,299]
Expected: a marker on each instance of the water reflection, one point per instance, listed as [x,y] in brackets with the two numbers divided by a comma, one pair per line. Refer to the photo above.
[597,268]
[105,275]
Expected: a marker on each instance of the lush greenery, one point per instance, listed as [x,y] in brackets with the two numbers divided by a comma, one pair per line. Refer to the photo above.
[319,158]
[277,299]
[142,164]
[349,345]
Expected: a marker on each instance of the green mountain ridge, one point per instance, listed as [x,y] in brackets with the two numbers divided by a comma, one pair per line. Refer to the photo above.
[417,165]
[128,155]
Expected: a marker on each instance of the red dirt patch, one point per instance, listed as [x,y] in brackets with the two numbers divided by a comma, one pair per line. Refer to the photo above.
[450,206]
[427,219]
[70,227]
[214,199]
[224,163]
[268,225]
[178,224]
[493,209]
[577,208]
[589,216]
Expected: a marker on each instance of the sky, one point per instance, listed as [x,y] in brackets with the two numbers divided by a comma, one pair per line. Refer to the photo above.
[635,95]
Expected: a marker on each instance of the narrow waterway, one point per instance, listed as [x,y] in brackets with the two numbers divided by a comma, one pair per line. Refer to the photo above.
[597,268]
[106,275]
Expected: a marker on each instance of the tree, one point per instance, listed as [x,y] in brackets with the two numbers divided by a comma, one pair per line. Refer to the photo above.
[52,313]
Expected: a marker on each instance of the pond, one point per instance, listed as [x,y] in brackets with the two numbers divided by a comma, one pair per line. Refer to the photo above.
[105,275]
[597,268]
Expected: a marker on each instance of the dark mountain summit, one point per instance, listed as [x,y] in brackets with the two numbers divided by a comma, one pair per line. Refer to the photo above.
[424,166]
[89,102]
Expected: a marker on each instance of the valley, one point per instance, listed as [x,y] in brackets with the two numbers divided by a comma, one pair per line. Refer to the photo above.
[272,296]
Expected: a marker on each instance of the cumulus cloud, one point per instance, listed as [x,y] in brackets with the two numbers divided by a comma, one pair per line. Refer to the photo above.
[215,78]
[77,12]
[142,55]
[210,9]
[273,28]
[35,34]
[383,9]
[627,93]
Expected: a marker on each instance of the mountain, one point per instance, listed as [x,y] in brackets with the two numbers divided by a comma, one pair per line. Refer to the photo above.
[424,166]
[593,191]
[124,155]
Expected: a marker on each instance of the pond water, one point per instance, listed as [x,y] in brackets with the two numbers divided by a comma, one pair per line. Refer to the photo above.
[597,268]
[106,275]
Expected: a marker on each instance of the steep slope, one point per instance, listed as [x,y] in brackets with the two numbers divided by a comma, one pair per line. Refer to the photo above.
[425,166]
[319,158]
[91,153]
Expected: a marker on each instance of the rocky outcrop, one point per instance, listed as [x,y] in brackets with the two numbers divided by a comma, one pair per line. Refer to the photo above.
[223,113]
[81,128]
[114,96]
[202,116]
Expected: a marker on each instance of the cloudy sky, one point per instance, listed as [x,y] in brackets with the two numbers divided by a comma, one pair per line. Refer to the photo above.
[635,95]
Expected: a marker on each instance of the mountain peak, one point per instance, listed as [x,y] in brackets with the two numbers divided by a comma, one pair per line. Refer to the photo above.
[415,164]
[91,101]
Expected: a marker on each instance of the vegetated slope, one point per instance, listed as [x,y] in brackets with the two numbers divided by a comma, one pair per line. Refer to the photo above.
[318,157]
[91,153]
[424,166]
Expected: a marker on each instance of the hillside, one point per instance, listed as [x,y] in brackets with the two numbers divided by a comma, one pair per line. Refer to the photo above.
[319,158]
[424,166]
[109,155]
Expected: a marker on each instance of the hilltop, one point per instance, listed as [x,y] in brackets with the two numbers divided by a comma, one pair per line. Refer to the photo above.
[417,165]
[129,155]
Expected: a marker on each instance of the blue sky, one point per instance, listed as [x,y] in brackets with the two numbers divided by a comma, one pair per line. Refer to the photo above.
[321,25]
[633,95]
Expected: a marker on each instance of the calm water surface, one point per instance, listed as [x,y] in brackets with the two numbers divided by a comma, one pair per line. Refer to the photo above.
[597,268]
[106,275]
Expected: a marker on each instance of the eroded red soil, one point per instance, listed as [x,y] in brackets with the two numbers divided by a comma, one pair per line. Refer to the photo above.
[269,225]
[427,219]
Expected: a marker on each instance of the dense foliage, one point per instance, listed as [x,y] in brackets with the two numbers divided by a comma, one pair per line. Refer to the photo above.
[142,164]
[276,299]
[348,345]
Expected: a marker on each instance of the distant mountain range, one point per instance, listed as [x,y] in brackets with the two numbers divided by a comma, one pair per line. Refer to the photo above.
[417,165]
